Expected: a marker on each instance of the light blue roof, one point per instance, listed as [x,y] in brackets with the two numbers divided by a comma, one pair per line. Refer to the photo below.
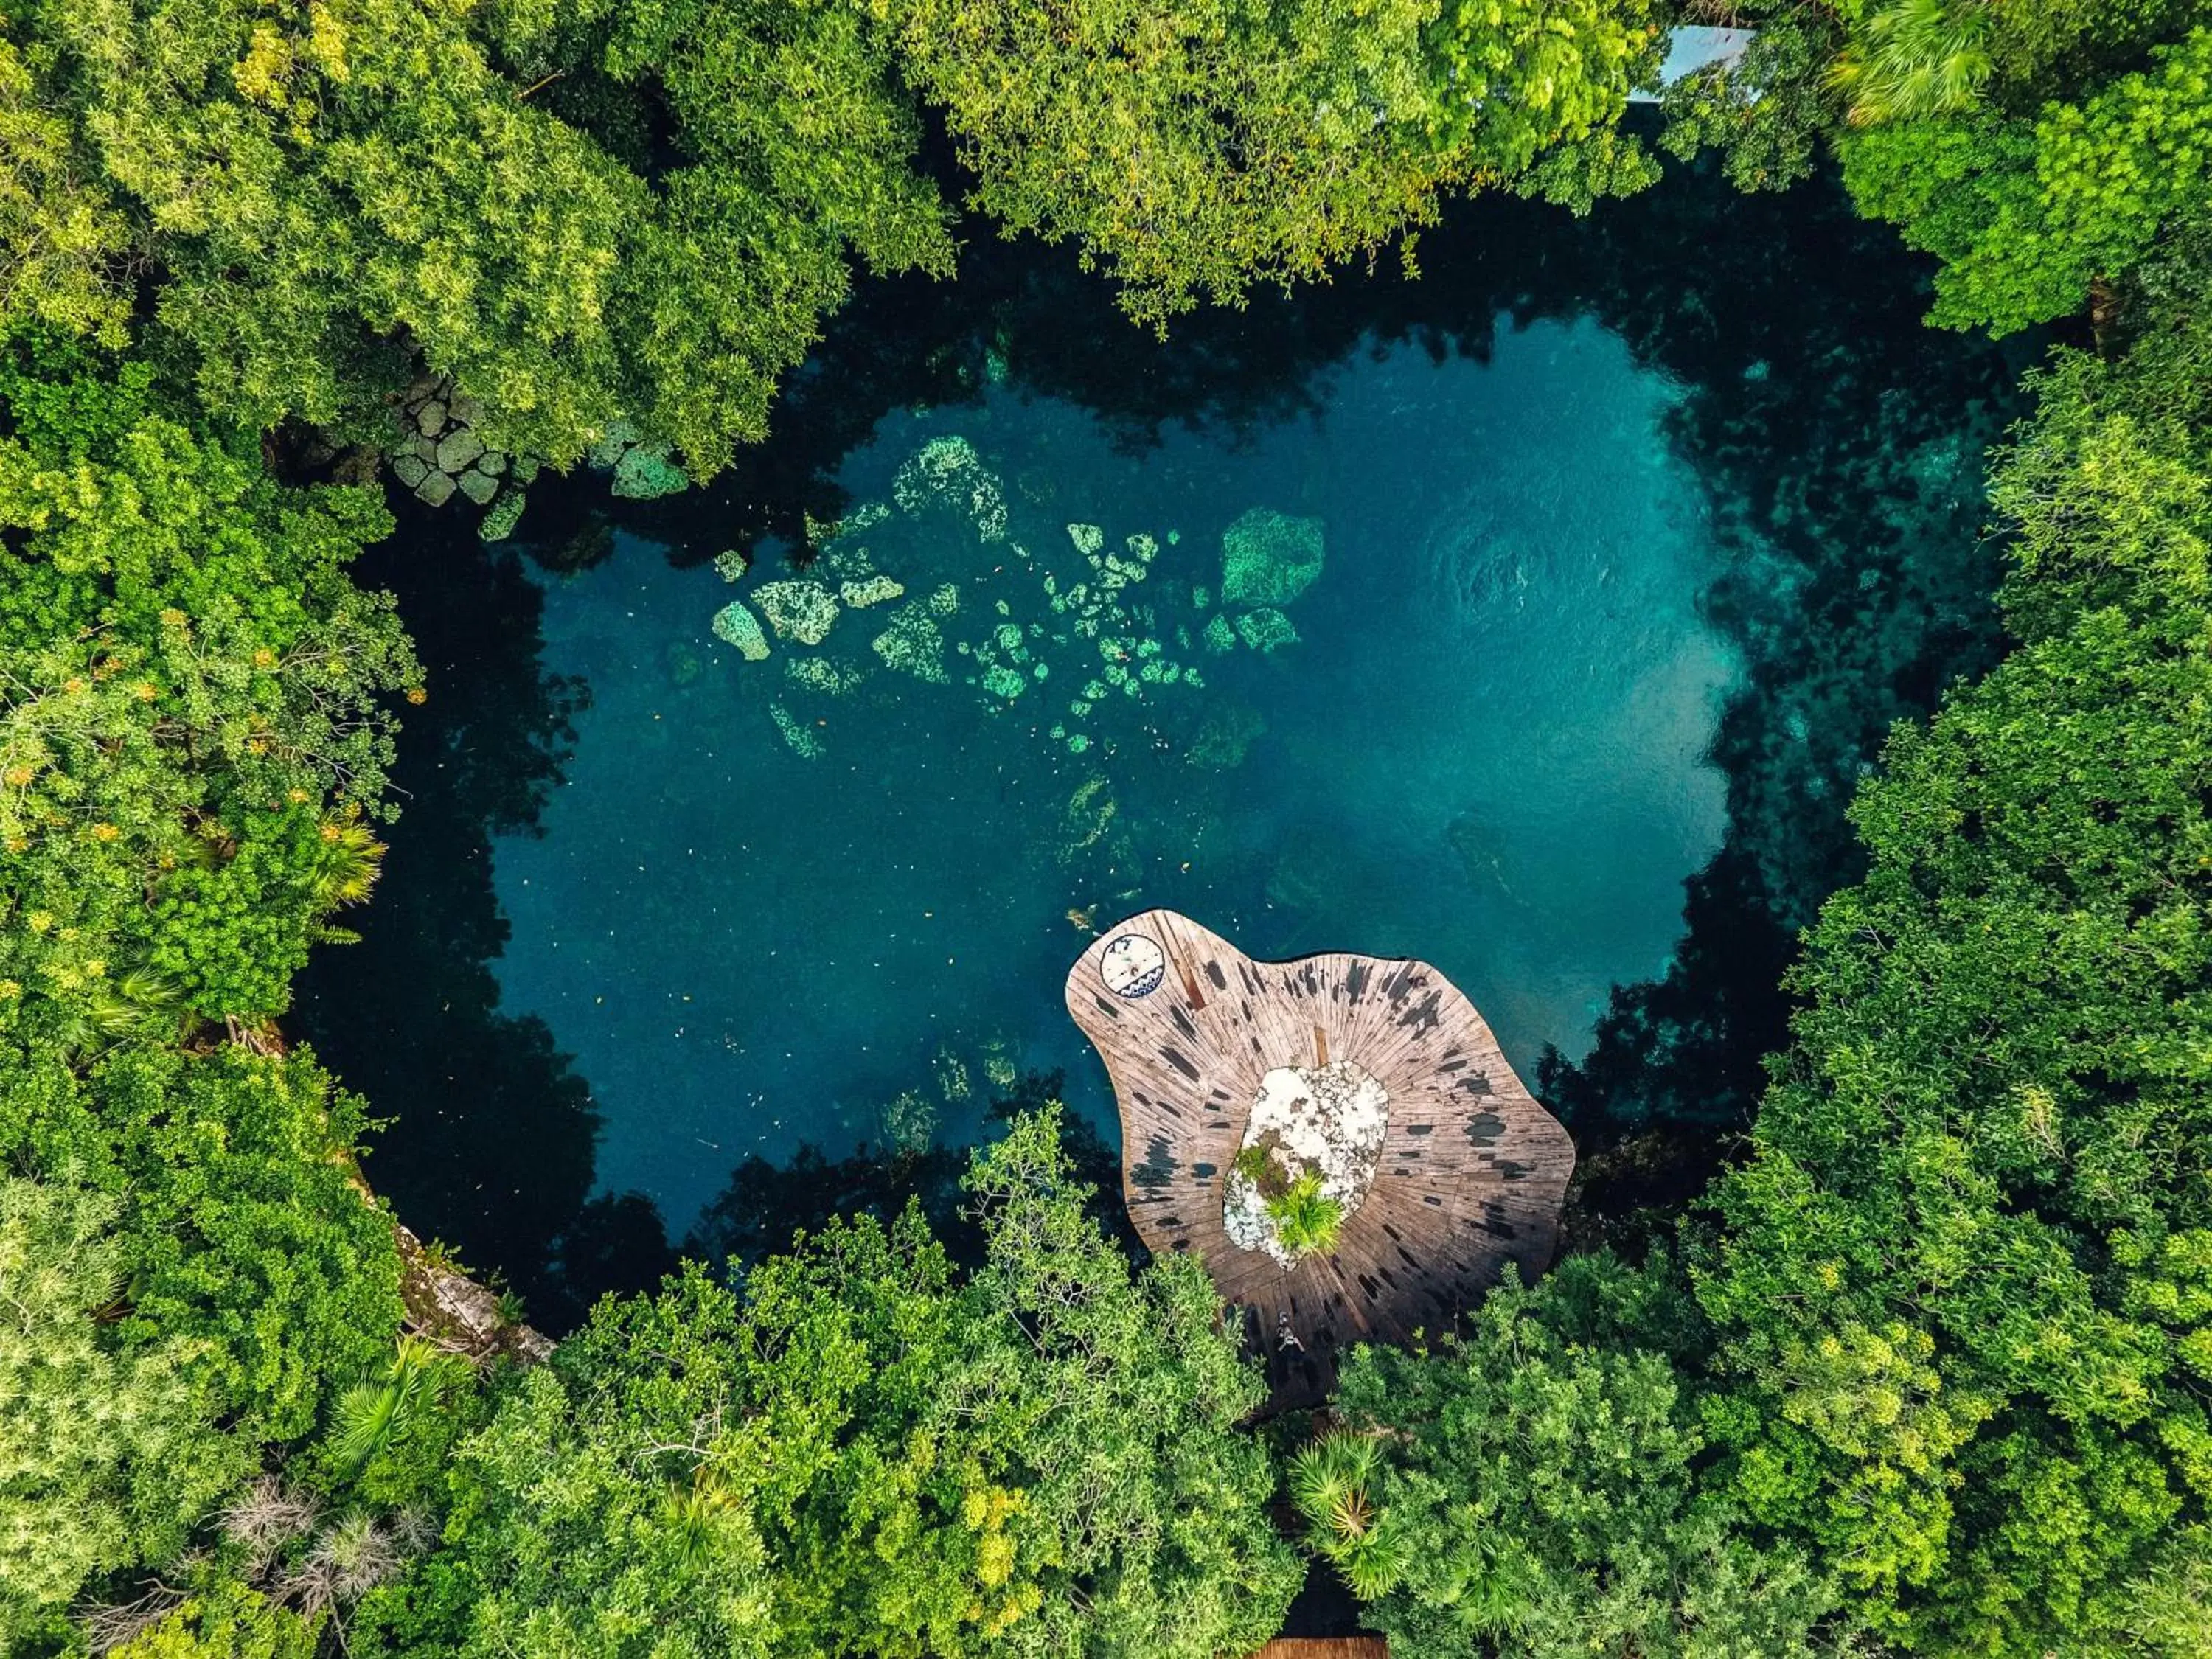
[1693,47]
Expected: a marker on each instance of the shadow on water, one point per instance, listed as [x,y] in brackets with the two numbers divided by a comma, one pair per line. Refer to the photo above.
[1839,442]
[493,1134]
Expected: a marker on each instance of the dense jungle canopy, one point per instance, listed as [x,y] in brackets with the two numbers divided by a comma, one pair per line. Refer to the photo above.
[1926,1369]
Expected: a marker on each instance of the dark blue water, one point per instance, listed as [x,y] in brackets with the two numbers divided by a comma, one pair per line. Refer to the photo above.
[1487,747]
[1639,533]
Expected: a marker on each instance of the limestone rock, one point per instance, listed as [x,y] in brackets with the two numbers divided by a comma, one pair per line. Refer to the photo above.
[456,449]
[409,469]
[1269,558]
[478,487]
[499,524]
[798,610]
[738,626]
[435,489]
[430,419]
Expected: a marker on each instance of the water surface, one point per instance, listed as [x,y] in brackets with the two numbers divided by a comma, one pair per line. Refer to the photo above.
[759,912]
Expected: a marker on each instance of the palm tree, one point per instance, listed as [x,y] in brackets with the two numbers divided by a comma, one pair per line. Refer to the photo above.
[347,866]
[136,1001]
[1331,1483]
[1914,58]
[1305,1221]
[372,1414]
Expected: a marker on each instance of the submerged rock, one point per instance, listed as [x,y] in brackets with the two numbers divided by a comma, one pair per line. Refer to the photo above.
[798,610]
[1265,629]
[874,590]
[803,741]
[820,674]
[912,645]
[506,512]
[1269,558]
[738,626]
[946,472]
[645,473]
[1226,735]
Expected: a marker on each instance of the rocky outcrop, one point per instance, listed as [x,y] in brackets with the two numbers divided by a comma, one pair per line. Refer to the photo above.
[459,1314]
[440,452]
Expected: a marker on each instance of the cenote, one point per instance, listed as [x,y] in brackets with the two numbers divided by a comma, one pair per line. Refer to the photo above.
[1638,533]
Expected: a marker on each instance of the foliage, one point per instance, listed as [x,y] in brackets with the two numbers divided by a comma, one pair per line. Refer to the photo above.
[1914,58]
[1536,1485]
[1332,1483]
[1305,1220]
[189,722]
[1966,1282]
[858,1454]
[2027,214]
[334,189]
[107,1452]
[240,1229]
[1768,114]
[227,1620]
[372,1418]
[1199,146]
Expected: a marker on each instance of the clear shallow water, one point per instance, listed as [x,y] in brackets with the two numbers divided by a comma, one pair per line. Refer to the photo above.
[1487,747]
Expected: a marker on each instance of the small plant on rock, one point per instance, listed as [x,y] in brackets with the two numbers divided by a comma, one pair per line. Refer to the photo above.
[1305,1219]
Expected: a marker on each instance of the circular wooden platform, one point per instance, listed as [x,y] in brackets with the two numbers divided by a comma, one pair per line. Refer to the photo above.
[1473,1172]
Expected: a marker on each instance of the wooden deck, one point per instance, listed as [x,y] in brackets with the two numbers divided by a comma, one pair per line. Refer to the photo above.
[1472,1170]
[1325,1647]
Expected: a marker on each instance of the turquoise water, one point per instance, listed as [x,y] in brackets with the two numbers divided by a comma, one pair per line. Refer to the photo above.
[758,912]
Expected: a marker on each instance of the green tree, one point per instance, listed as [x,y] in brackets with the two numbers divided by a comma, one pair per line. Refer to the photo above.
[190,713]
[322,196]
[857,1453]
[2027,214]
[1964,1284]
[1194,150]
[1537,1484]
[106,1456]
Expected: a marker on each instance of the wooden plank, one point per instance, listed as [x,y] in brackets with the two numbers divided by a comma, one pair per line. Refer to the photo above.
[1473,1170]
[1325,1647]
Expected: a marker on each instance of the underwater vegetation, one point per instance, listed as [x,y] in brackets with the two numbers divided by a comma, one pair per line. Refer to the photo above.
[1086,631]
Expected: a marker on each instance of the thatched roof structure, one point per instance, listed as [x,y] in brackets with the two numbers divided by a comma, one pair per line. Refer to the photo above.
[1472,1170]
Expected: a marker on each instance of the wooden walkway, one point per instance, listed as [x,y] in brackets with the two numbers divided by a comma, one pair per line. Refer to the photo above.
[1325,1647]
[1472,1171]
